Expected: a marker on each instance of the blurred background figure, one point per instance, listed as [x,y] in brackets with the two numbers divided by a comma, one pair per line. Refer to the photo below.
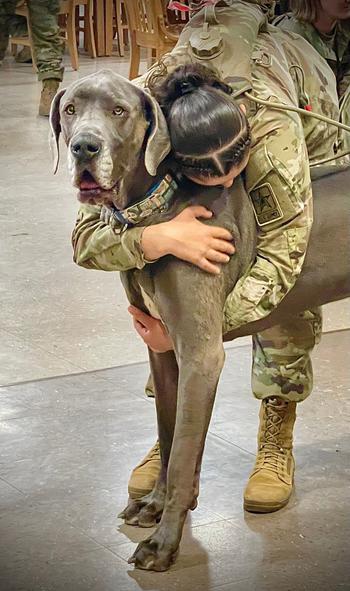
[325,25]
[47,43]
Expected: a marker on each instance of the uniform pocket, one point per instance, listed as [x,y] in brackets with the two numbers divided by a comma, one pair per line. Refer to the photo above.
[259,283]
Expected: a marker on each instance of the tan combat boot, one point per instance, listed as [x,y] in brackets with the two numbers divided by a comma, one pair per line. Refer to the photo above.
[50,87]
[271,481]
[145,475]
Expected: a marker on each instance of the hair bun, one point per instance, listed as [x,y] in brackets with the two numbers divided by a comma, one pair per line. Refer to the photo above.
[187,79]
[186,87]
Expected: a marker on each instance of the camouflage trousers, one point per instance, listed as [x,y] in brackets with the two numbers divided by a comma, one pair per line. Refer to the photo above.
[281,357]
[48,46]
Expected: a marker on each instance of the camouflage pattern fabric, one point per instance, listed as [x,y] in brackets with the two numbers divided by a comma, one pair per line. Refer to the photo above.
[281,358]
[277,175]
[334,48]
[105,247]
[197,5]
[48,46]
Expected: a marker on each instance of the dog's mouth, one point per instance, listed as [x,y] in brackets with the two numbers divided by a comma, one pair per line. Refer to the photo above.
[90,191]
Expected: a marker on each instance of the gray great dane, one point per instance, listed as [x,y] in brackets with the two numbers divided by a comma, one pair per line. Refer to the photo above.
[117,136]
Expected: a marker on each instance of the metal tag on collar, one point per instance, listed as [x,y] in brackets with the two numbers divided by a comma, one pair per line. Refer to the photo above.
[118,216]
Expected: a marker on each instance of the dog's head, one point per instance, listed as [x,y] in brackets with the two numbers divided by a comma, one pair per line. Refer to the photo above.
[106,122]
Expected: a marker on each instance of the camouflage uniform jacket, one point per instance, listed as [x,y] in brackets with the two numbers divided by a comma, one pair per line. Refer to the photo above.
[334,48]
[274,65]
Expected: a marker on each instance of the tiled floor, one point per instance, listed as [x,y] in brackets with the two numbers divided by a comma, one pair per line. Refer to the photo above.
[68,446]
[67,427]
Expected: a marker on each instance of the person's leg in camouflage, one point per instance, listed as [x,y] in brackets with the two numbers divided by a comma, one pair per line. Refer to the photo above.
[281,377]
[48,49]
[7,10]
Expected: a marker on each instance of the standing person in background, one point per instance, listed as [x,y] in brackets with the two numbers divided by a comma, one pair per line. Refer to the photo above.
[48,45]
[325,24]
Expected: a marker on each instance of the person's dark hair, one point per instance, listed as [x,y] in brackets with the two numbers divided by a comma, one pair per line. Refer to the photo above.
[208,130]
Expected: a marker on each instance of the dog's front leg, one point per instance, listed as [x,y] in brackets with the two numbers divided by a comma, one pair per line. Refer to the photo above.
[146,512]
[200,365]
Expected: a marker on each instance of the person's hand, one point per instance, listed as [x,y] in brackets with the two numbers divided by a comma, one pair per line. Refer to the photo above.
[188,239]
[151,330]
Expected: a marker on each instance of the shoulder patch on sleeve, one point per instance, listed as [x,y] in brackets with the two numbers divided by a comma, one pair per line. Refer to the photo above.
[265,203]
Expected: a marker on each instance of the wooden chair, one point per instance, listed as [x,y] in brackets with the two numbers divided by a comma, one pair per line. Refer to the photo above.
[122,25]
[116,25]
[70,28]
[24,40]
[148,29]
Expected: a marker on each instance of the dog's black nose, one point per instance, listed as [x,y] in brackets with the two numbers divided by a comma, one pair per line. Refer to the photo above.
[85,147]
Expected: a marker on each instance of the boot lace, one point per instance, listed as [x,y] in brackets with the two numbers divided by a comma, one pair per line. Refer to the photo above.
[271,455]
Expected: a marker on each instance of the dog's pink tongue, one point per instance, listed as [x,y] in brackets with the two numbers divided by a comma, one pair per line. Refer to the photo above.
[88,185]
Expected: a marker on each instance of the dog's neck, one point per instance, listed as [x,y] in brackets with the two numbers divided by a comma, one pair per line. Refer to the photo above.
[138,182]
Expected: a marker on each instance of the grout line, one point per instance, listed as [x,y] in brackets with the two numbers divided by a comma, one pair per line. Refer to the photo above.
[231,443]
[13,486]
[78,373]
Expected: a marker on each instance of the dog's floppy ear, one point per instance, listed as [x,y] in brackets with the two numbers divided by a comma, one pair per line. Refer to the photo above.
[55,125]
[158,141]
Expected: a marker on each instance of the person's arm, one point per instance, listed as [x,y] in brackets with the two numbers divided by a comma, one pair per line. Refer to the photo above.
[99,245]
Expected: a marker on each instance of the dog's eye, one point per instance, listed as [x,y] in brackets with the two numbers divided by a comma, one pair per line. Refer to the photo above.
[70,109]
[118,111]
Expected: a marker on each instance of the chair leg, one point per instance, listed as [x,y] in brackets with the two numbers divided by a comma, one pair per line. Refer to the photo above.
[72,40]
[32,51]
[150,57]
[134,57]
[120,31]
[90,29]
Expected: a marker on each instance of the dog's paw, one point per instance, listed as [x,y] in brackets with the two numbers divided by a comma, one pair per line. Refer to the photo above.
[151,555]
[145,512]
